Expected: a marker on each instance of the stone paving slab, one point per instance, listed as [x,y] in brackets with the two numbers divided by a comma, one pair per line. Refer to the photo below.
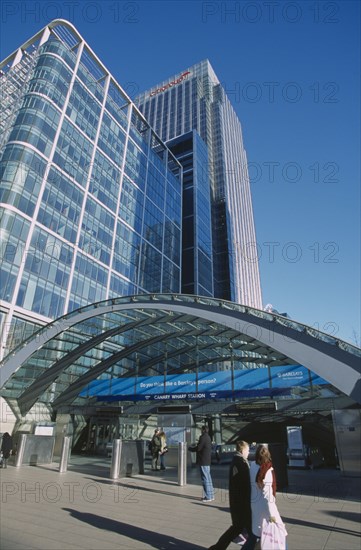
[83,509]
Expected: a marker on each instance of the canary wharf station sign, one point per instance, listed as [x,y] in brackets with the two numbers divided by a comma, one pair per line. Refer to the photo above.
[205,385]
[178,80]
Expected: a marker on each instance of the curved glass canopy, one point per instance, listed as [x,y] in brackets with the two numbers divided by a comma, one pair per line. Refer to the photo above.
[165,335]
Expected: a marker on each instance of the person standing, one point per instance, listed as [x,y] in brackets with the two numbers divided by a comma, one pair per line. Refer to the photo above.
[263,495]
[156,446]
[6,448]
[163,449]
[239,497]
[204,454]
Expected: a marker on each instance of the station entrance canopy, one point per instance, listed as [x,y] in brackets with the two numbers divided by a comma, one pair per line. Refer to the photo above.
[173,347]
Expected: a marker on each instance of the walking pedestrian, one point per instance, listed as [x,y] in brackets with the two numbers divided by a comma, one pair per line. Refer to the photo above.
[204,453]
[239,497]
[263,496]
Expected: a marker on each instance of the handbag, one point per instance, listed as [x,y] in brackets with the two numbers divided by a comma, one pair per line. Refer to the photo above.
[273,536]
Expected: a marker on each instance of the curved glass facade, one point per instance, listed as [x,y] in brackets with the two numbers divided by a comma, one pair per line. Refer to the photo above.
[90,197]
[169,347]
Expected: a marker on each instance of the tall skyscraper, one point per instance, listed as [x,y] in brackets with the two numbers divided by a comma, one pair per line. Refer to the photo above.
[90,197]
[195,100]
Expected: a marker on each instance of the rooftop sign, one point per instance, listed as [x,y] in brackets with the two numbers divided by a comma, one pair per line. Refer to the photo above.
[178,80]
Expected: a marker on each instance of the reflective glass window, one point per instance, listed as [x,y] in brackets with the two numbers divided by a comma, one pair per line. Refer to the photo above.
[89,282]
[14,232]
[120,287]
[153,225]
[104,181]
[36,123]
[50,78]
[126,252]
[111,139]
[46,275]
[155,186]
[131,204]
[54,45]
[61,204]
[171,274]
[150,269]
[83,109]
[97,231]
[21,174]
[136,165]
[73,153]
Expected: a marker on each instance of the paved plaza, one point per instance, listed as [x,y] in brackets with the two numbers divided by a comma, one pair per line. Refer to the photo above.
[84,509]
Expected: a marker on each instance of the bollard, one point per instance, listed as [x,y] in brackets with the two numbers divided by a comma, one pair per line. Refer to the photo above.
[65,453]
[20,450]
[182,464]
[116,455]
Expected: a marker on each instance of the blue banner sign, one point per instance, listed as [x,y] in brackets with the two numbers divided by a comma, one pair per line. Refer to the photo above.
[258,382]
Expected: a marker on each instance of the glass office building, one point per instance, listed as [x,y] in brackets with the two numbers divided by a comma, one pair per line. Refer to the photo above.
[90,198]
[195,100]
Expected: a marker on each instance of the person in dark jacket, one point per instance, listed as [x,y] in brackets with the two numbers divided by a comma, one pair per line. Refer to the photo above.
[239,497]
[156,446]
[6,447]
[204,453]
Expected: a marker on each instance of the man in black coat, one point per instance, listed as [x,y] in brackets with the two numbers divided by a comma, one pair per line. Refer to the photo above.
[239,497]
[204,454]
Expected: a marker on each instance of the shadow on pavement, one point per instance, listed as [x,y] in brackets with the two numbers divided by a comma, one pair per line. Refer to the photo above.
[349,516]
[155,540]
[136,484]
[325,484]
[329,528]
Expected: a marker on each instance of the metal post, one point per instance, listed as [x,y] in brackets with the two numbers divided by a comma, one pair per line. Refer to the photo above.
[20,450]
[116,455]
[182,464]
[65,453]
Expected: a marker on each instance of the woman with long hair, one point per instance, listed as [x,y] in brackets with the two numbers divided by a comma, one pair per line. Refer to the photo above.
[263,495]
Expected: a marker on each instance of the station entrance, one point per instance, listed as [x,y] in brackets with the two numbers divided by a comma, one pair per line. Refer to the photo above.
[256,421]
[235,367]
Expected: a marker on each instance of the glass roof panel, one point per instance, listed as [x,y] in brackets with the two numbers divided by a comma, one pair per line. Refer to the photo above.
[141,341]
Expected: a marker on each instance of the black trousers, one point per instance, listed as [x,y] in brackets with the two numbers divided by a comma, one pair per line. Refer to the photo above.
[225,540]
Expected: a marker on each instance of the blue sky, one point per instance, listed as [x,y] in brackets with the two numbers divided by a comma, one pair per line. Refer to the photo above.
[291,70]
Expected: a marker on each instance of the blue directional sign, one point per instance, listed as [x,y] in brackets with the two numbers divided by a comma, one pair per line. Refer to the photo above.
[258,382]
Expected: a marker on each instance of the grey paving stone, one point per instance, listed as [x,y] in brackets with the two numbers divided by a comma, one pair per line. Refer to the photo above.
[84,509]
